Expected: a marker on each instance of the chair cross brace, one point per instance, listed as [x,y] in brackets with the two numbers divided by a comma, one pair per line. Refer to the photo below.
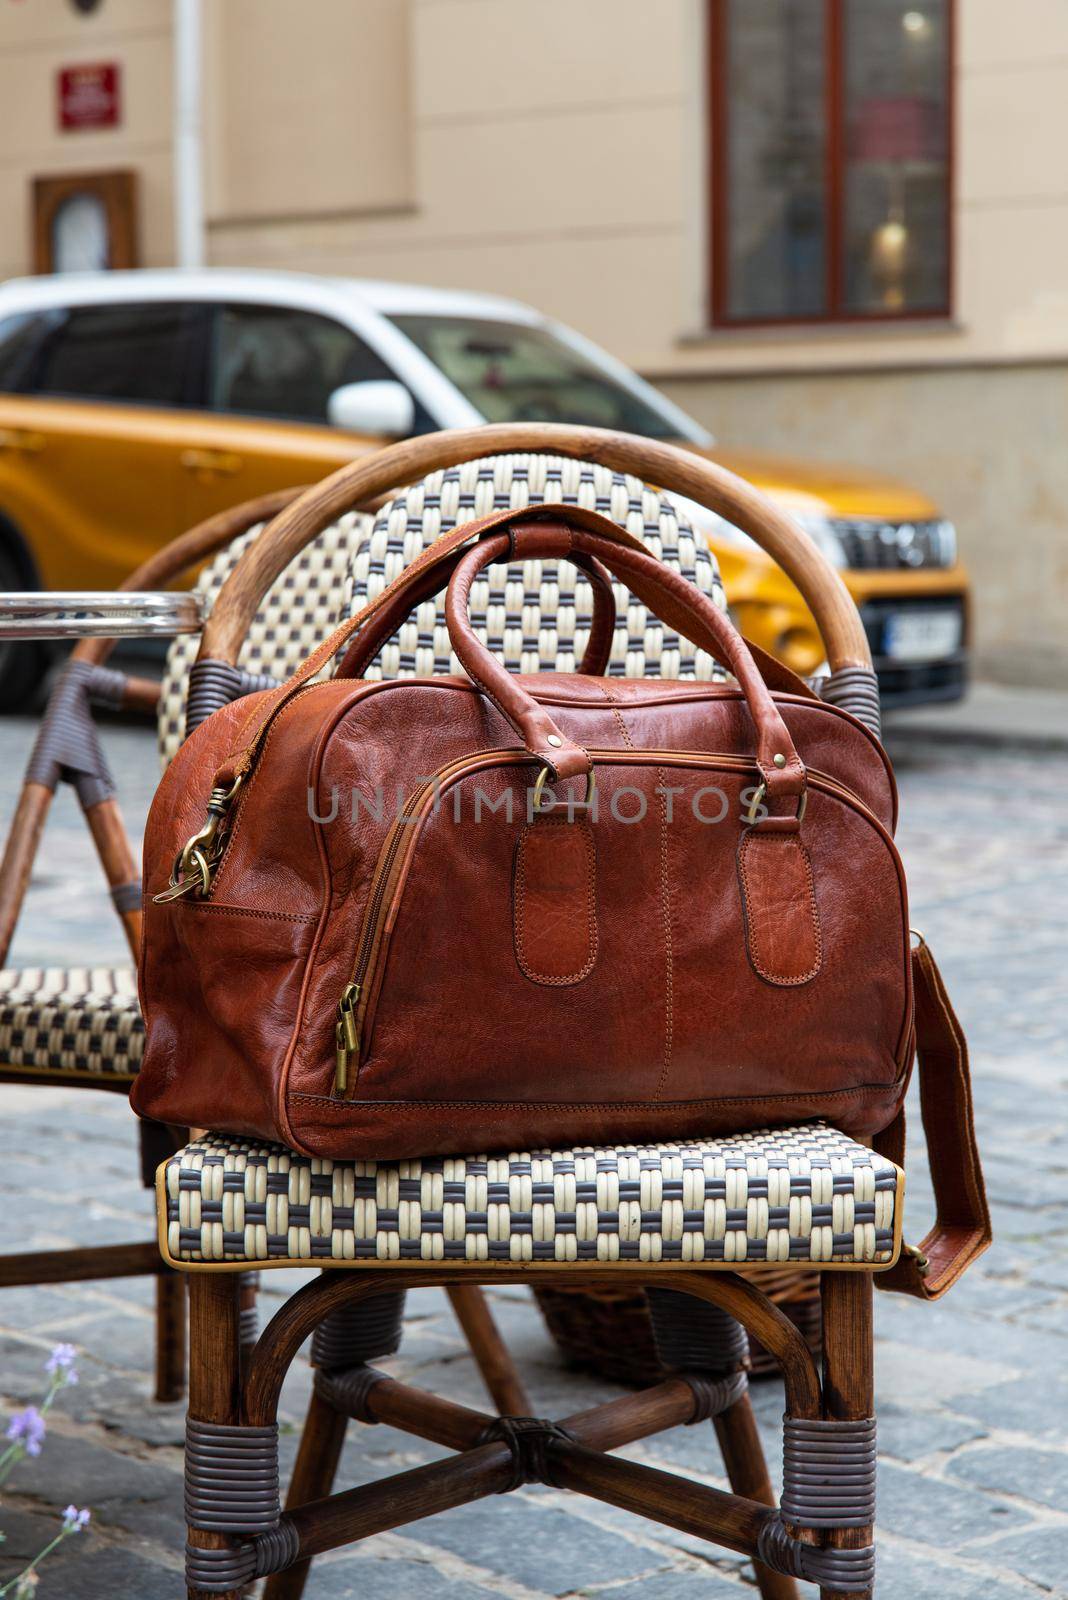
[232,1470]
[233,1478]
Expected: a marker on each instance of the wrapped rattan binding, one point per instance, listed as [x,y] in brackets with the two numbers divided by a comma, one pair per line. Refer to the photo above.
[610,1332]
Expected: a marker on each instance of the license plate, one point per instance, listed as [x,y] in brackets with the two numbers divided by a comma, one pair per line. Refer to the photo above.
[922,635]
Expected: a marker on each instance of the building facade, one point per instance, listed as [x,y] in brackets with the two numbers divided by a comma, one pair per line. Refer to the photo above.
[834,229]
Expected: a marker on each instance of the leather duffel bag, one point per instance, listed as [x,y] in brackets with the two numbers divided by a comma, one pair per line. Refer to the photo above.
[495,912]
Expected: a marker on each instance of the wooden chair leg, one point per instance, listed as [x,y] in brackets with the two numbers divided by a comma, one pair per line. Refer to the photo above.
[313,1479]
[170,1336]
[491,1354]
[747,1473]
[249,1316]
[324,1429]
[20,851]
[345,1340]
[231,1470]
[696,1337]
[214,1382]
[848,1382]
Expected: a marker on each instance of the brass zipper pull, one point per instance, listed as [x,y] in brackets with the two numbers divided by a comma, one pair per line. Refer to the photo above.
[346,1037]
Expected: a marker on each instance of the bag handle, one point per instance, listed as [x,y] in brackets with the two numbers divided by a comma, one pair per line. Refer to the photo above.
[672,596]
[370,639]
[962,1222]
[250,731]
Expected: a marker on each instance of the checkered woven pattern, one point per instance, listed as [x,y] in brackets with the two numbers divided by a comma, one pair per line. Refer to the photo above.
[535,617]
[78,1022]
[805,1195]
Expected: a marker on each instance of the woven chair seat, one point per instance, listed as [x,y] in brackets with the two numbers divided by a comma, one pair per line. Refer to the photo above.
[805,1195]
[79,1024]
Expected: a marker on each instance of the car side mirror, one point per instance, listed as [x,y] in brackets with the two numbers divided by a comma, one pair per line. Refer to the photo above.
[379,405]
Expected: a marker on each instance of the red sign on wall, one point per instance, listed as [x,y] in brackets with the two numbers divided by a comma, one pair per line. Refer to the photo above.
[89,95]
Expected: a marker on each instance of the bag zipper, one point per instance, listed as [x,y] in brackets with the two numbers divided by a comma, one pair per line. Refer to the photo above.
[353,1005]
[350,1012]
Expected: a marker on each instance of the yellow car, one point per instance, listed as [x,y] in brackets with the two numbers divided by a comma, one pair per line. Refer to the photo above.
[133,404]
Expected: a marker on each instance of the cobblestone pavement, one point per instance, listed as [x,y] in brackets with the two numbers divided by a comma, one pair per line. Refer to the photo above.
[973,1393]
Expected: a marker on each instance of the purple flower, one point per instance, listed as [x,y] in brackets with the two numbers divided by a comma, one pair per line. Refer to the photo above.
[74,1520]
[61,1363]
[28,1429]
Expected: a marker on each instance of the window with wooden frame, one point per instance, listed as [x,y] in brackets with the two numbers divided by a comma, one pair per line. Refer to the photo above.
[831,160]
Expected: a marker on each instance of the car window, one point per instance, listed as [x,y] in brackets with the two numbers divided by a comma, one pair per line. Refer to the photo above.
[272,361]
[516,373]
[20,338]
[138,353]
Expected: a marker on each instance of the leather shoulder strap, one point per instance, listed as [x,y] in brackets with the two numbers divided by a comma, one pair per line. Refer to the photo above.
[962,1226]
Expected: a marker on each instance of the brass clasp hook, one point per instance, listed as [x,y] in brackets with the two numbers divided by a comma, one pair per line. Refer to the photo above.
[195,863]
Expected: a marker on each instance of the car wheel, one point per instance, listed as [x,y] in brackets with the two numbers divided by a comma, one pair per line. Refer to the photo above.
[23,663]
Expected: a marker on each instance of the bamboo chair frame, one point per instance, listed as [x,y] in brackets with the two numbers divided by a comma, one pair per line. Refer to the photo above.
[237,1529]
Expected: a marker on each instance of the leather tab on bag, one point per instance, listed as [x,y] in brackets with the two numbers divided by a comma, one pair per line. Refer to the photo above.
[547,540]
[962,1227]
[783,937]
[554,901]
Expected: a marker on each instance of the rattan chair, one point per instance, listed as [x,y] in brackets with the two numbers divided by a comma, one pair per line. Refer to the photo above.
[687,1222]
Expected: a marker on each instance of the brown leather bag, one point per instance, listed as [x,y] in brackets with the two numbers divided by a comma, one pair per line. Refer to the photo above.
[386,943]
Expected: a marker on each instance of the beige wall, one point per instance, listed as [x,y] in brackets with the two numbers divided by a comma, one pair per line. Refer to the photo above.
[987,443]
[308,111]
[36,40]
[550,158]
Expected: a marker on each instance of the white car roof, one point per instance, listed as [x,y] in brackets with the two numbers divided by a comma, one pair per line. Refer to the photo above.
[219,283]
[362,302]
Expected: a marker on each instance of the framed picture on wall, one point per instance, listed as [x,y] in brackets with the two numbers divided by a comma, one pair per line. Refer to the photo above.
[85,222]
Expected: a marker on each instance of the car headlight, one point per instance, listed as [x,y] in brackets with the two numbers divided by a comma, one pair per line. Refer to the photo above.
[947,543]
[821,531]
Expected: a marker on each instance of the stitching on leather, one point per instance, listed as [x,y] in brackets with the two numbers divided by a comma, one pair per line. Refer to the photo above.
[669,942]
[202,907]
[779,979]
[327,1101]
[518,916]
[665,908]
[616,713]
